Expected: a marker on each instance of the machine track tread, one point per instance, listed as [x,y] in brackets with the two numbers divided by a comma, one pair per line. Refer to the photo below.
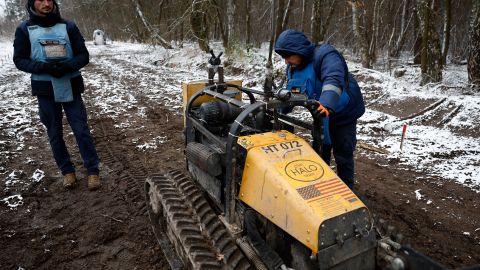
[200,238]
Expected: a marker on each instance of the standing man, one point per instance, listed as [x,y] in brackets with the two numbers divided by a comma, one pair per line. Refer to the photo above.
[322,74]
[53,51]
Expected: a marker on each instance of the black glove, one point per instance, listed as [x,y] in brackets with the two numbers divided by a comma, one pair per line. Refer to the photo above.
[67,66]
[57,70]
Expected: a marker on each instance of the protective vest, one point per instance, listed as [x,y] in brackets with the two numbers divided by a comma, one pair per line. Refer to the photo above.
[305,81]
[52,45]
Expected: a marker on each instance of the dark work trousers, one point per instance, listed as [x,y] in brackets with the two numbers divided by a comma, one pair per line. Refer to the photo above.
[344,141]
[51,116]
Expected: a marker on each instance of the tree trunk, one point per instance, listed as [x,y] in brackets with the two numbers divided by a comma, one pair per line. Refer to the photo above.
[431,59]
[359,34]
[230,21]
[316,26]
[375,30]
[326,22]
[247,24]
[446,29]
[279,16]
[474,47]
[198,23]
[286,14]
[397,47]
[417,44]
[304,16]
[221,26]
[268,85]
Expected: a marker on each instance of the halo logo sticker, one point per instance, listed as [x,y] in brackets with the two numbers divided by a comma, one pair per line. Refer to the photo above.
[304,170]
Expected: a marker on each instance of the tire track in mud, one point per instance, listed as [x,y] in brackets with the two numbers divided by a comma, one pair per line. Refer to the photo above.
[128,165]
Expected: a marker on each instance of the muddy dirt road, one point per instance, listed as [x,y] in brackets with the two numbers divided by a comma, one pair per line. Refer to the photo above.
[109,229]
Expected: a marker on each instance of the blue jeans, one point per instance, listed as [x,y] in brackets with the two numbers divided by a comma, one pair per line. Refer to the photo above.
[344,141]
[51,116]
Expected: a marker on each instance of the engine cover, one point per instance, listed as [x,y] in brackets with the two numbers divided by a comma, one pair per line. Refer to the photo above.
[286,181]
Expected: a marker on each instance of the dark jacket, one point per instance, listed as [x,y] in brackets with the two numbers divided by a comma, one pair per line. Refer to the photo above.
[331,69]
[22,49]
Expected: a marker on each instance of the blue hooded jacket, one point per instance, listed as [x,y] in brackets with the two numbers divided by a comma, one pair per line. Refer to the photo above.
[332,71]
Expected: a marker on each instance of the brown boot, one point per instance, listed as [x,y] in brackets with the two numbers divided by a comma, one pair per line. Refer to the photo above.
[69,180]
[93,182]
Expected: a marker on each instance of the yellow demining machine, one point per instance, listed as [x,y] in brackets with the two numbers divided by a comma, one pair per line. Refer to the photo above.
[258,196]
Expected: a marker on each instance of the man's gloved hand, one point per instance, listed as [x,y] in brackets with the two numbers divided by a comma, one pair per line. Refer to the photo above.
[58,70]
[322,111]
[66,66]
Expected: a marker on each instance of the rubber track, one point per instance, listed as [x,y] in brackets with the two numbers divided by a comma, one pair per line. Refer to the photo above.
[204,239]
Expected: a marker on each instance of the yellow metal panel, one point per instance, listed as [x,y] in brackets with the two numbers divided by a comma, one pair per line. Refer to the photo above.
[286,181]
[190,88]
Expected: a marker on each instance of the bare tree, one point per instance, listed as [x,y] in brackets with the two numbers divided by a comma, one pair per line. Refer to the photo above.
[247,24]
[230,21]
[316,25]
[431,56]
[446,29]
[286,14]
[320,21]
[474,46]
[279,17]
[155,36]
[198,22]
[268,85]
[304,16]
[359,31]
[394,47]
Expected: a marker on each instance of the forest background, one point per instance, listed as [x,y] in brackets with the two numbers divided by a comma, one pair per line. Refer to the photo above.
[380,34]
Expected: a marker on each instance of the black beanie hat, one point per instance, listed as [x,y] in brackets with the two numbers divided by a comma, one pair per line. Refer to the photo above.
[30,4]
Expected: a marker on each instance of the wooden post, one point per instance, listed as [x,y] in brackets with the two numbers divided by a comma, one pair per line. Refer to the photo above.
[403,136]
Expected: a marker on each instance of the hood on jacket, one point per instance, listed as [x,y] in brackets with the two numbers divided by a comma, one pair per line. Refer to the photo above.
[47,21]
[291,42]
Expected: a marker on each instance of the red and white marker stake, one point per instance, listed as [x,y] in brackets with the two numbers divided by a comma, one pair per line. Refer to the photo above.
[403,135]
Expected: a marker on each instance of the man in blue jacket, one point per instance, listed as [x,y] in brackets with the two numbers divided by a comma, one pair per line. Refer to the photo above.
[322,74]
[53,51]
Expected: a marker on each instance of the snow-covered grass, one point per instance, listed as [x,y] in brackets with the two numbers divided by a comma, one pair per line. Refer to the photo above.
[158,73]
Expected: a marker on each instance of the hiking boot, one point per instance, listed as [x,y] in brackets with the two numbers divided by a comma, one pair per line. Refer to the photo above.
[69,180]
[93,182]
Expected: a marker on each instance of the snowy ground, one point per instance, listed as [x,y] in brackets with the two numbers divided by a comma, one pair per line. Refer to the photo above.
[449,148]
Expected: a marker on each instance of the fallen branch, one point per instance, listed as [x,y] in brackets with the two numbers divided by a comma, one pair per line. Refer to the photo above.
[449,117]
[118,220]
[429,108]
[373,148]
